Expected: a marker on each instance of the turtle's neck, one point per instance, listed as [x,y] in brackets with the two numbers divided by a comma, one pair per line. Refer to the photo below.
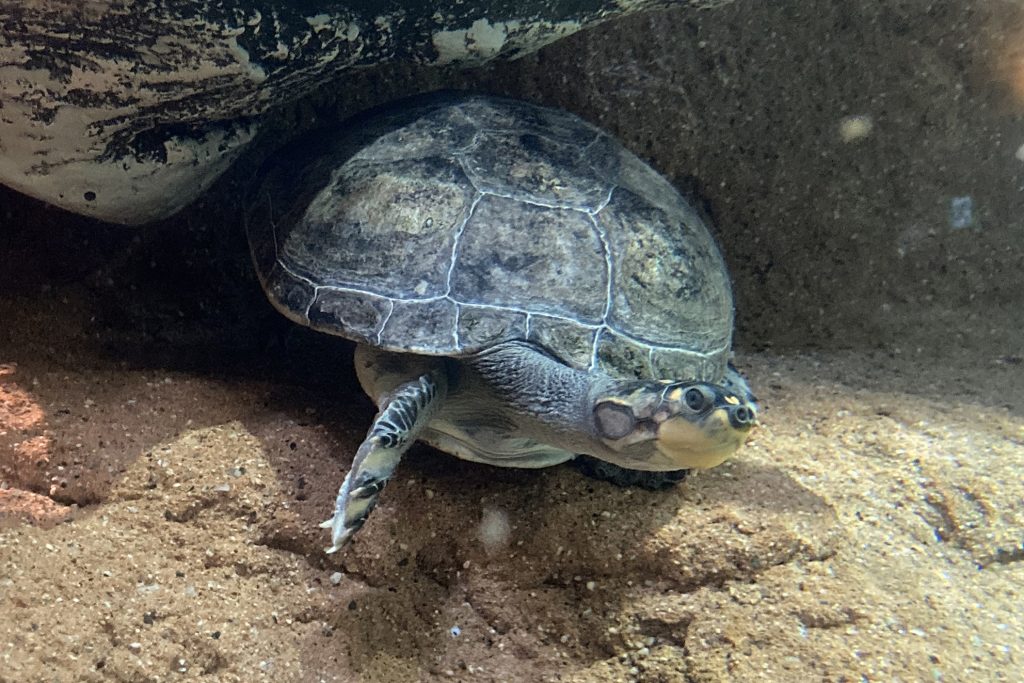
[535,385]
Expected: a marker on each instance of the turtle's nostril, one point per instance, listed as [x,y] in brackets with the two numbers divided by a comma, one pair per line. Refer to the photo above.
[741,416]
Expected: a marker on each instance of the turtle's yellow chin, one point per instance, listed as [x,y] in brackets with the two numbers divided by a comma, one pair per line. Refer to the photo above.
[699,445]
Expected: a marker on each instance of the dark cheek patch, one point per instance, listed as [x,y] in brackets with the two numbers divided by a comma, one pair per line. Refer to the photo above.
[614,421]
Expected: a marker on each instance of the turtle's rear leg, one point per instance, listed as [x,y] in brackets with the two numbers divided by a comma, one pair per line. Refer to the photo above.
[403,414]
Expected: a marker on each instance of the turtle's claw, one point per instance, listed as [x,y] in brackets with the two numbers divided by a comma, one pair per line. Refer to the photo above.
[340,535]
[338,541]
[341,532]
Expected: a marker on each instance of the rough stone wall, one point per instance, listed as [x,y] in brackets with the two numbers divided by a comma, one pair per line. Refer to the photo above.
[864,162]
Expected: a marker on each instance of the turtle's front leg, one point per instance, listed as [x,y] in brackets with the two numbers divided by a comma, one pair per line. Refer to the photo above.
[403,415]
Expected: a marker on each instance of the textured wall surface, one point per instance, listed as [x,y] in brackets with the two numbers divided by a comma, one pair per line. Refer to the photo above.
[864,162]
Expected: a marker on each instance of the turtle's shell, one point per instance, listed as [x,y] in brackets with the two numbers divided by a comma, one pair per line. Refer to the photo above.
[445,225]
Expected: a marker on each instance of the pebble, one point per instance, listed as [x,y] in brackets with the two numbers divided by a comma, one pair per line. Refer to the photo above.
[494,530]
[336,578]
[853,128]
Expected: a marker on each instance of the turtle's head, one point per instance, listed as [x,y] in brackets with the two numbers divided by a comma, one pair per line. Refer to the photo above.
[658,426]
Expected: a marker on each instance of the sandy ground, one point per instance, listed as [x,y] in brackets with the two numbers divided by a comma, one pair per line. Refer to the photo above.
[168,444]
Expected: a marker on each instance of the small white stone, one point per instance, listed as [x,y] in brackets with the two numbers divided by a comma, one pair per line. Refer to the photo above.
[336,578]
[853,128]
[591,585]
[494,530]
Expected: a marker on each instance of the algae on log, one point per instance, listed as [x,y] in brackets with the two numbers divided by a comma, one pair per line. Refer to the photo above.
[127,110]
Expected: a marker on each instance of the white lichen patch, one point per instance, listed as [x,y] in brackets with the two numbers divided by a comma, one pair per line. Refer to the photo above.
[61,167]
[56,149]
[341,35]
[319,22]
[483,41]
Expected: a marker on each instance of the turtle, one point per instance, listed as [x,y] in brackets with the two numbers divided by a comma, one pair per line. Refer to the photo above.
[522,291]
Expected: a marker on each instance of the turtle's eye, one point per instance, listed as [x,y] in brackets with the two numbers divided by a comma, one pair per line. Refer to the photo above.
[614,420]
[695,399]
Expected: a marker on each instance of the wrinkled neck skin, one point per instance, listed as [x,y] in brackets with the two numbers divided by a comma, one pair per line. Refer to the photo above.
[550,401]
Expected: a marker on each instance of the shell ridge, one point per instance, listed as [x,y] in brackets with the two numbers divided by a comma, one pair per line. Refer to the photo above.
[586,148]
[456,240]
[535,202]
[455,326]
[384,322]
[459,231]
[312,300]
[315,287]
[273,228]
[607,200]
[392,300]
[602,237]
